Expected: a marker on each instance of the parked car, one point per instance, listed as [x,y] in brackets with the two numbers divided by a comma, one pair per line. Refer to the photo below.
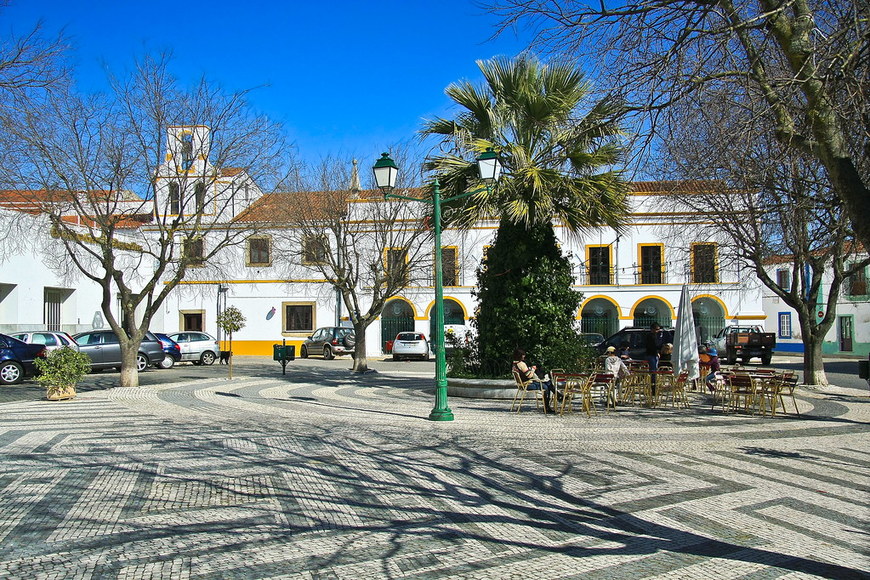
[330,341]
[171,349]
[103,348]
[200,348]
[16,359]
[409,345]
[591,338]
[51,340]
[636,339]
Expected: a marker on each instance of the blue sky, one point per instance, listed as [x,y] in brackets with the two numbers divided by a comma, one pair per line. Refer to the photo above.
[346,78]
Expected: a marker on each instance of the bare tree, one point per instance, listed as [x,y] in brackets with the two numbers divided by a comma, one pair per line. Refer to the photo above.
[367,248]
[137,204]
[30,61]
[807,60]
[774,210]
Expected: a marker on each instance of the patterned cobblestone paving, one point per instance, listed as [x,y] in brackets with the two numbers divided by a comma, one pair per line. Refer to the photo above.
[314,475]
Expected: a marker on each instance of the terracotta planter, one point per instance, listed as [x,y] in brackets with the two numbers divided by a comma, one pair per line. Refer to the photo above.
[60,394]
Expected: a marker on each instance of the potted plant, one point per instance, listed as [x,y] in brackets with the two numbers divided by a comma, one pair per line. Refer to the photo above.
[60,371]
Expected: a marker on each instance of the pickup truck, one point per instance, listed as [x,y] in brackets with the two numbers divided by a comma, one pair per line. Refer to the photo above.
[744,343]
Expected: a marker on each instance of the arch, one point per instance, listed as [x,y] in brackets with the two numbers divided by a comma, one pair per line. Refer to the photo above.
[431,307]
[394,299]
[397,316]
[716,299]
[599,314]
[603,297]
[650,309]
[709,313]
[454,313]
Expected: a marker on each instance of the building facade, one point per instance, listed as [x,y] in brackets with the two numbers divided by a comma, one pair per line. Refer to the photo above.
[631,278]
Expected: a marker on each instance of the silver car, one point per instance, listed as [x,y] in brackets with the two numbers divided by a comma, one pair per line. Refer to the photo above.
[200,348]
[51,340]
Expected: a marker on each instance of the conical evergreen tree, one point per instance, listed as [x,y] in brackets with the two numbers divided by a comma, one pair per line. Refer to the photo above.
[526,300]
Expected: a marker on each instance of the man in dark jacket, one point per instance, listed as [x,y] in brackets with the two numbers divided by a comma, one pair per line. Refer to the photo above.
[653,346]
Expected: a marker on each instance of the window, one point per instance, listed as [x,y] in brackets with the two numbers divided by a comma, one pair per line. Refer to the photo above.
[598,262]
[651,264]
[857,282]
[783,279]
[785,324]
[449,267]
[52,302]
[199,195]
[186,151]
[259,251]
[193,251]
[298,317]
[396,264]
[315,249]
[704,263]
[175,204]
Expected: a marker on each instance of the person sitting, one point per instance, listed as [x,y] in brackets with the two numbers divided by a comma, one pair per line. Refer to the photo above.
[529,373]
[625,351]
[615,366]
[665,355]
[708,357]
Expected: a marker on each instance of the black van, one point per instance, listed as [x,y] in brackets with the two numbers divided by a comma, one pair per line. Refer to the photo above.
[636,339]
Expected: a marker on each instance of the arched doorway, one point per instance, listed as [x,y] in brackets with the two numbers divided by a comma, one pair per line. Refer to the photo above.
[398,316]
[453,314]
[599,315]
[709,318]
[651,310]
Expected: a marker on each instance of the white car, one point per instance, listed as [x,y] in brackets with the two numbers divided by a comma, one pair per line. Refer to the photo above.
[51,340]
[410,345]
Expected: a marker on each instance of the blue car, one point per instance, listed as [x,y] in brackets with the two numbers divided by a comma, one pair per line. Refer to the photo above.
[16,359]
[172,350]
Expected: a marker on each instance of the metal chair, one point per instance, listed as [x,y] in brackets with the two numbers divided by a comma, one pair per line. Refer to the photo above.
[523,387]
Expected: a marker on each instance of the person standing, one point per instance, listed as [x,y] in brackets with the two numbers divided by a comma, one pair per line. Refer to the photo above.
[652,348]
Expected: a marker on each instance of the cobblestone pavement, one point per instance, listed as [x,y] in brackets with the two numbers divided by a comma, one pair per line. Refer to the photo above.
[321,474]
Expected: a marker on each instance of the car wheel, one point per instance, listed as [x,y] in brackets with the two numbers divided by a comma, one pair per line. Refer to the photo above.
[11,373]
[303,352]
[327,353]
[207,358]
[141,362]
[167,363]
[425,357]
[396,357]
[349,341]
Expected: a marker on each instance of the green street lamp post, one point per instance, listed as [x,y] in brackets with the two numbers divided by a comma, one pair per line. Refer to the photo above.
[385,171]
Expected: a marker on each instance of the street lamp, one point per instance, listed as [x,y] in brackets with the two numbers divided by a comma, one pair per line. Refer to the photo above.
[385,171]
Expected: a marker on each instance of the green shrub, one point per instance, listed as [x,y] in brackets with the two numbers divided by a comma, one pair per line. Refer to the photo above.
[63,368]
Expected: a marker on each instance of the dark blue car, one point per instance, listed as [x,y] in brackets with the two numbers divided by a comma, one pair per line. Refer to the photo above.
[171,348]
[16,359]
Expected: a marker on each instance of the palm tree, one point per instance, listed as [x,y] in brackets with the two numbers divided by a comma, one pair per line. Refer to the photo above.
[557,169]
[555,159]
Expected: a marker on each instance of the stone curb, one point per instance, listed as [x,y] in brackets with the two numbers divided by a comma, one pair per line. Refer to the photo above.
[481,388]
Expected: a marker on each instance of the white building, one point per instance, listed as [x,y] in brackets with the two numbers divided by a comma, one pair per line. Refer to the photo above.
[628,280]
[850,334]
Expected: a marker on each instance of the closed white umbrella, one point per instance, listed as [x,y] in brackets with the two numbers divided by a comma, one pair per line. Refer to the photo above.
[685,355]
